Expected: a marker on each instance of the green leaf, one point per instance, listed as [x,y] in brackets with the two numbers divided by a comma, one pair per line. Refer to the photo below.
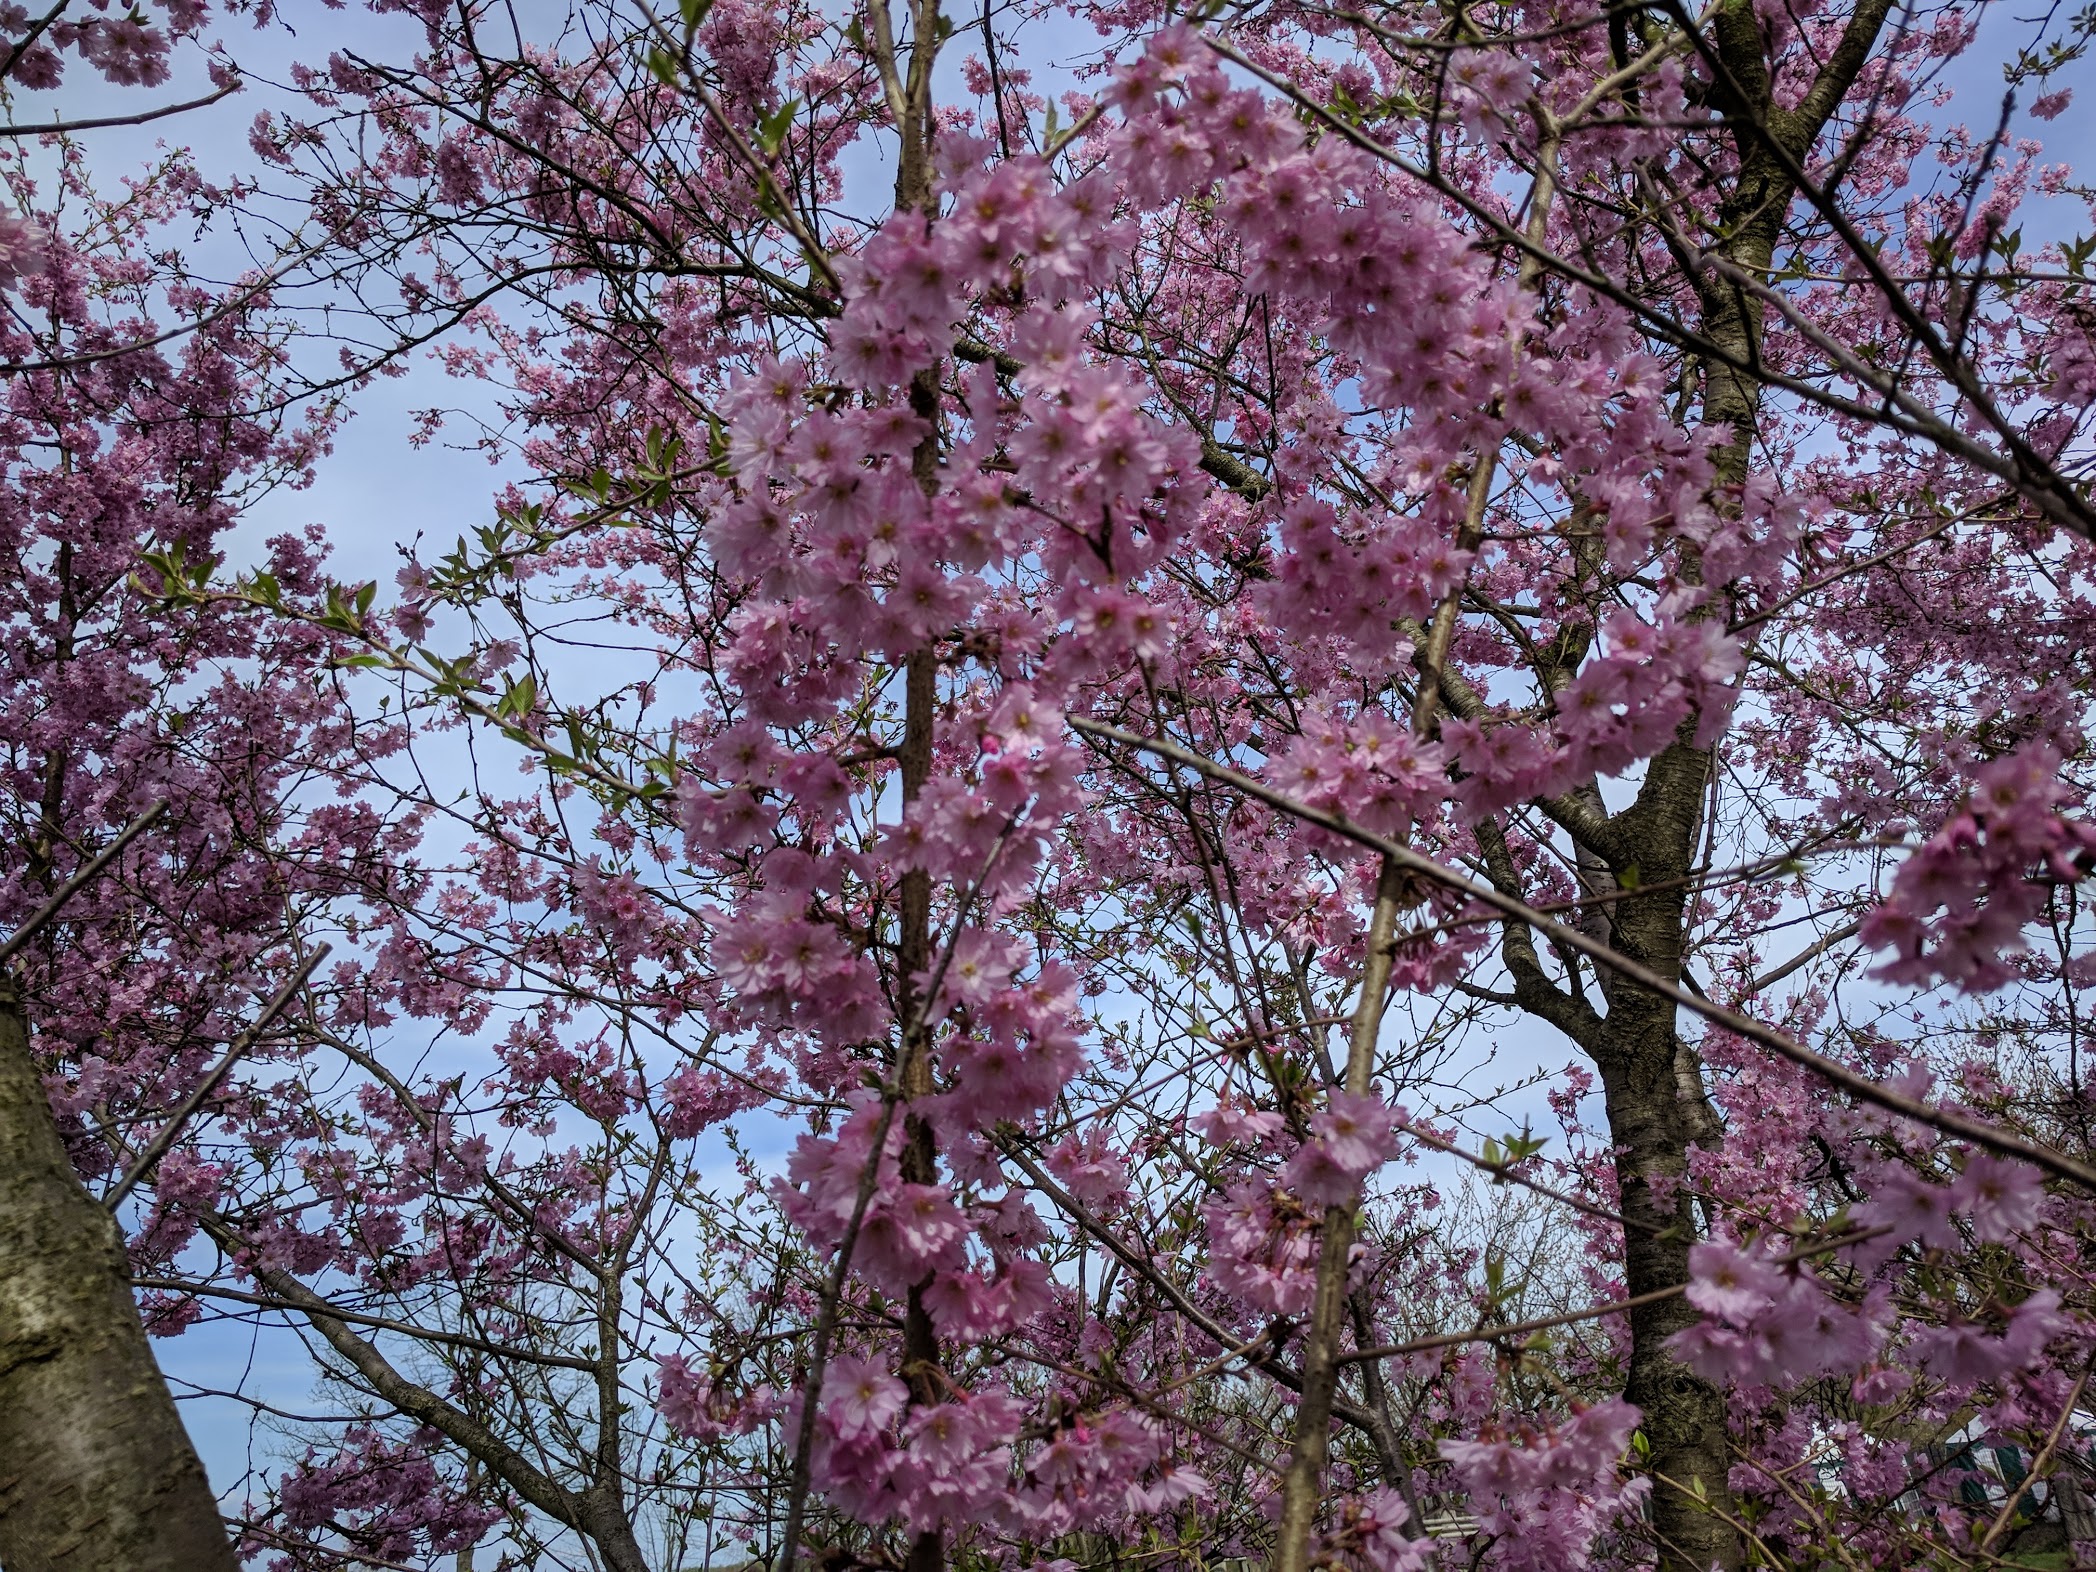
[1520,1148]
[772,128]
[519,696]
[167,565]
[663,450]
[716,444]
[662,65]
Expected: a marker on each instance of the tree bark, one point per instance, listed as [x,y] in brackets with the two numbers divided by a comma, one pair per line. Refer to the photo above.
[1637,1049]
[918,1162]
[1651,1081]
[1303,1484]
[2076,1516]
[97,1473]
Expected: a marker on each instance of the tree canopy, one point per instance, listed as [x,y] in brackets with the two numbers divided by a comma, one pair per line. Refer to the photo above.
[1293,783]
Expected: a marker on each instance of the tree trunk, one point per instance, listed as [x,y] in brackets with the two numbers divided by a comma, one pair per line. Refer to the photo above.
[2076,1515]
[1637,1050]
[96,1471]
[1654,1114]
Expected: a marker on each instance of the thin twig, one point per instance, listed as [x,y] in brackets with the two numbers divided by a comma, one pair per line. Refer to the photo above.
[68,127]
[1493,1334]
[156,1148]
[1848,570]
[179,1285]
[825,1327]
[1504,1172]
[2038,1463]
[241,296]
[1862,1087]
[79,881]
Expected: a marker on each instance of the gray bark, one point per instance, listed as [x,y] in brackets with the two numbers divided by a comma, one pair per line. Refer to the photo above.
[2076,1515]
[97,1473]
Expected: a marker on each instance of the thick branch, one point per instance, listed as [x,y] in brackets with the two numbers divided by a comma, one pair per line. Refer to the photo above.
[1859,1086]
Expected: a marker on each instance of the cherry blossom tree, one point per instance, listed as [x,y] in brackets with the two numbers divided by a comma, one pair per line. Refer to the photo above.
[135,952]
[1078,647]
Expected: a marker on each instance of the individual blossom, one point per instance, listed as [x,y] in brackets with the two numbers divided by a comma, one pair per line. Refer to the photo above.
[696,1407]
[2002,1197]
[1906,1209]
[970,1307]
[22,247]
[1727,1281]
[1968,1353]
[909,1232]
[1094,1173]
[1262,1247]
[860,1398]
[1349,1140]
[1765,1325]
[1371,1530]
[1230,1125]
